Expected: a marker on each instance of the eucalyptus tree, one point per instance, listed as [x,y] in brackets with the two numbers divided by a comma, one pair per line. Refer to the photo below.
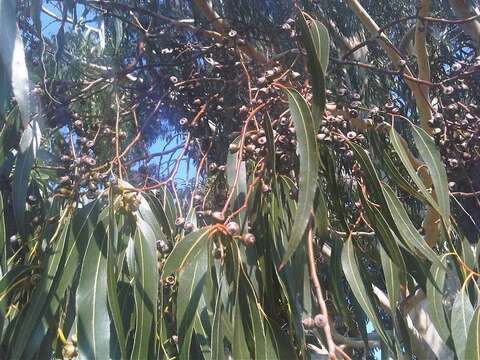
[246,179]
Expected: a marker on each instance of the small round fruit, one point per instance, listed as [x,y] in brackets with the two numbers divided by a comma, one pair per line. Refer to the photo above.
[69,350]
[188,226]
[233,228]
[179,221]
[320,320]
[248,239]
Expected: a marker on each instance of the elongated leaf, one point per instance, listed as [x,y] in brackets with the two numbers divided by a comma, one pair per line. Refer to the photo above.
[321,41]
[402,153]
[46,286]
[93,321]
[21,178]
[307,146]
[472,349]
[435,300]
[185,251]
[12,56]
[430,154]
[385,235]
[462,314]
[240,190]
[314,37]
[362,291]
[239,347]
[145,288]
[3,240]
[217,347]
[411,237]
[191,281]
[82,229]
[112,295]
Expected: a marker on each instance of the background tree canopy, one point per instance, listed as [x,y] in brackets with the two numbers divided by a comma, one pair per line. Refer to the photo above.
[239,179]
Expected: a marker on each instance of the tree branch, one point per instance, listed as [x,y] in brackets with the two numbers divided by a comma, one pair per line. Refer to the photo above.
[395,56]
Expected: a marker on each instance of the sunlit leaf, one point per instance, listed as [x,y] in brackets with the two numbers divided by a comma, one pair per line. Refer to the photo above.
[462,315]
[191,282]
[307,147]
[185,251]
[472,348]
[361,290]
[315,39]
[145,286]
[93,320]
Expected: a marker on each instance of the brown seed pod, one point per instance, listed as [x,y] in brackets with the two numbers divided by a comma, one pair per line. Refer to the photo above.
[218,217]
[188,226]
[179,221]
[320,320]
[248,239]
[233,228]
[233,148]
[69,350]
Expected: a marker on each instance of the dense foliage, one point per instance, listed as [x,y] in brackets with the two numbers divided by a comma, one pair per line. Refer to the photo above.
[244,179]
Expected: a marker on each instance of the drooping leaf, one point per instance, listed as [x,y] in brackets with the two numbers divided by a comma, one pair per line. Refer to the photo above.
[3,240]
[217,347]
[472,348]
[29,144]
[314,37]
[321,41]
[93,320]
[185,251]
[307,147]
[145,285]
[402,153]
[462,315]
[191,281]
[410,235]
[362,290]
[435,292]
[46,285]
[112,295]
[12,57]
[430,154]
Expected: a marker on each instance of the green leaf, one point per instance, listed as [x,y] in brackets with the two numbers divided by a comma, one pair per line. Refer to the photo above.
[239,347]
[307,182]
[430,154]
[82,228]
[321,40]
[402,153]
[462,314]
[12,55]
[410,235]
[3,240]
[385,235]
[191,280]
[160,214]
[314,37]
[362,290]
[112,294]
[93,320]
[217,347]
[145,285]
[435,291]
[472,349]
[47,283]
[29,143]
[240,190]
[185,251]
